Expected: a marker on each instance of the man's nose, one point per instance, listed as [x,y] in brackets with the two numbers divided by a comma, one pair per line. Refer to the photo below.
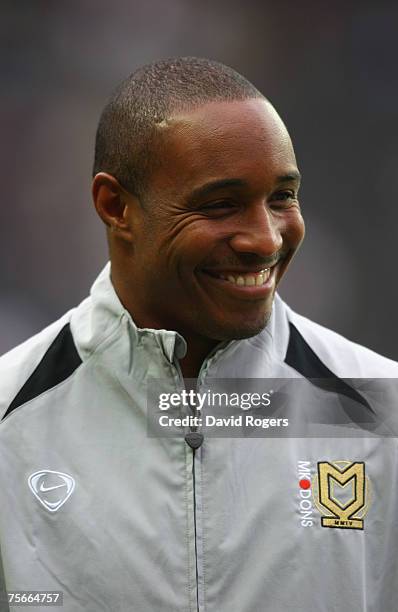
[259,232]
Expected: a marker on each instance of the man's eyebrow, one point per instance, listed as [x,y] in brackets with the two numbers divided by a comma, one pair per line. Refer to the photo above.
[291,176]
[208,188]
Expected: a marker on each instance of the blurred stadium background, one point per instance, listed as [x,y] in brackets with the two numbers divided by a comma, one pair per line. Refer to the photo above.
[330,70]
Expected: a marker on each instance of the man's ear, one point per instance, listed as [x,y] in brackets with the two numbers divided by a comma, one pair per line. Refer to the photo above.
[114,204]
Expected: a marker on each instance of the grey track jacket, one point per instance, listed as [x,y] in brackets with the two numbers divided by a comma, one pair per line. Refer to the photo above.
[119,521]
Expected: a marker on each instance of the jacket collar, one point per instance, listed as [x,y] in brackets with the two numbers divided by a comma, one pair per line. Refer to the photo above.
[99,317]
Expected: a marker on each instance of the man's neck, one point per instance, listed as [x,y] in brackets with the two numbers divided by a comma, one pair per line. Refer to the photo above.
[190,367]
[198,350]
[198,347]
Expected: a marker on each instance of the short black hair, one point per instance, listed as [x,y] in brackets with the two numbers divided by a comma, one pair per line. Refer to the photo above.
[125,141]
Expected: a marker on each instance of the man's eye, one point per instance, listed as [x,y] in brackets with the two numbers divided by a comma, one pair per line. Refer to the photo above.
[284,197]
[220,205]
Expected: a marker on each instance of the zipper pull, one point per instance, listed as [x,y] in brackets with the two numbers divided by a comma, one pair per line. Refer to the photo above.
[194,439]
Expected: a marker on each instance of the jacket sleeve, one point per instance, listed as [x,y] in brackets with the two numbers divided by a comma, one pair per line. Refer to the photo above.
[4,607]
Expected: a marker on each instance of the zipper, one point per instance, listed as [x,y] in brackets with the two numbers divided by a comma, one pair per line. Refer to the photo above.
[194,439]
[195,528]
[197,438]
[190,442]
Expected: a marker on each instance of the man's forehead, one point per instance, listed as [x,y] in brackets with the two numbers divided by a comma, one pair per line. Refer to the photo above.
[254,117]
[220,137]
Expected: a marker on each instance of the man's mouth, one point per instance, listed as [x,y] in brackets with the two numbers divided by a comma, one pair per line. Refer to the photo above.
[248,279]
[246,284]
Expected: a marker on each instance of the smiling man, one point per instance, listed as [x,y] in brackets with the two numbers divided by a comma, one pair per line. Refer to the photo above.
[217,227]
[196,181]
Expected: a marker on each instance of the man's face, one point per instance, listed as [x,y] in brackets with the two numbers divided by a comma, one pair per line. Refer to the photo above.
[221,222]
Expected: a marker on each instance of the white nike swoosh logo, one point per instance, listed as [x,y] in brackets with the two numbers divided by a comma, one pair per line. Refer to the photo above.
[44,489]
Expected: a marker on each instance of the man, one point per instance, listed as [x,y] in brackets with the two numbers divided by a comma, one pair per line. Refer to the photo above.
[196,181]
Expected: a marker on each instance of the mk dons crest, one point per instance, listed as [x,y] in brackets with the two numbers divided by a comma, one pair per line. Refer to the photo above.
[341,492]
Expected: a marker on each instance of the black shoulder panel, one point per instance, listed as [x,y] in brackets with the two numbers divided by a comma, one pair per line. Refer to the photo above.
[58,363]
[302,358]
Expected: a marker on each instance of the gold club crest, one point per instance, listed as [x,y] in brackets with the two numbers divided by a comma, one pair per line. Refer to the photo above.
[341,492]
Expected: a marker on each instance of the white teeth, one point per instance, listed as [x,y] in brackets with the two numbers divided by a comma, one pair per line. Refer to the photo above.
[249,280]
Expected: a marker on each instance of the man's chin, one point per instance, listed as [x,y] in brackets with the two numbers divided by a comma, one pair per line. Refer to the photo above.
[239,330]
